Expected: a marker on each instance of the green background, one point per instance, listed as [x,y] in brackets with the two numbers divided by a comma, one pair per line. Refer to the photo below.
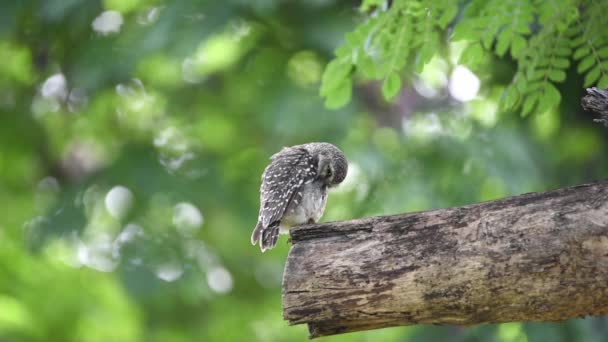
[177,112]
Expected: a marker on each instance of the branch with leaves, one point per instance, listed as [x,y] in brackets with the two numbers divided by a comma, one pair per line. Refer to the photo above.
[543,37]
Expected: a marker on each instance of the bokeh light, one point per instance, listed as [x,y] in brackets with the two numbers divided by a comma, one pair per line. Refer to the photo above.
[464,84]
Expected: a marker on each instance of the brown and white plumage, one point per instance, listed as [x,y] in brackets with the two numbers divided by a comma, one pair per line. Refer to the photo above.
[294,188]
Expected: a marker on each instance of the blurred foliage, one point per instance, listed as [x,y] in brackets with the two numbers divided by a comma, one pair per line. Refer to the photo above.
[133,135]
[543,36]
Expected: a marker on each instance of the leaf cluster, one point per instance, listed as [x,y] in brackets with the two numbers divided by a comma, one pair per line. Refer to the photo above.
[391,39]
[543,37]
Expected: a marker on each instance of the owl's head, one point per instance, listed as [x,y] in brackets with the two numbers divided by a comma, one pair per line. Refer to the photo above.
[332,166]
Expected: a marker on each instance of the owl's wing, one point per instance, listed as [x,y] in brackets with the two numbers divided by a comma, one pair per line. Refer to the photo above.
[282,181]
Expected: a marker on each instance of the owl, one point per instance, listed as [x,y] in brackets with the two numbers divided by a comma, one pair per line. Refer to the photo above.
[294,189]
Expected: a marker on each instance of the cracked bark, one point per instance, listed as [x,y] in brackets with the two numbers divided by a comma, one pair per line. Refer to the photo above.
[533,257]
[596,100]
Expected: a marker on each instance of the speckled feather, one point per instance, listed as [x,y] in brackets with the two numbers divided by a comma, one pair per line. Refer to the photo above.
[281,183]
[292,189]
[282,180]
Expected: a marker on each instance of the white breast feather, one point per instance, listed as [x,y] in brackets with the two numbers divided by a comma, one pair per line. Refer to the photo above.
[312,206]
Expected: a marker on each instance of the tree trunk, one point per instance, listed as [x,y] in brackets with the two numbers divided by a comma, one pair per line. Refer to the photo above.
[534,257]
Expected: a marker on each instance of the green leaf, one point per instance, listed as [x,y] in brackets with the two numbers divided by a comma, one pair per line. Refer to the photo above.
[334,75]
[603,52]
[521,84]
[368,67]
[585,64]
[534,86]
[344,51]
[448,14]
[487,39]
[556,75]
[578,40]
[529,104]
[472,55]
[549,99]
[563,51]
[536,74]
[592,76]
[581,52]
[522,28]
[518,45]
[603,82]
[424,56]
[356,37]
[503,41]
[509,98]
[339,95]
[391,86]
[561,63]
[463,30]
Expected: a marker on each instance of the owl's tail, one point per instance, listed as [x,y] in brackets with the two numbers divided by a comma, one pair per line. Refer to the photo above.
[266,236]
[255,236]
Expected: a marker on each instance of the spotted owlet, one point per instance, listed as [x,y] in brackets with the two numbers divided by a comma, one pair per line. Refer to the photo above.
[294,188]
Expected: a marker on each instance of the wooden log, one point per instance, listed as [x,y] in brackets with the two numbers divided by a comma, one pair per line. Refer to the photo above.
[596,100]
[533,257]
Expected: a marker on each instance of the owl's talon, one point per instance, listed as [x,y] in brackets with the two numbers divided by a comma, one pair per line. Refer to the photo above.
[289,240]
[311,221]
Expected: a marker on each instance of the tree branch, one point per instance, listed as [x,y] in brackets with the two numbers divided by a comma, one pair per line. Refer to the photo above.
[534,257]
[596,100]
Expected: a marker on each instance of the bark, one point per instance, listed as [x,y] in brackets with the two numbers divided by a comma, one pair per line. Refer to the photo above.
[596,100]
[534,257]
